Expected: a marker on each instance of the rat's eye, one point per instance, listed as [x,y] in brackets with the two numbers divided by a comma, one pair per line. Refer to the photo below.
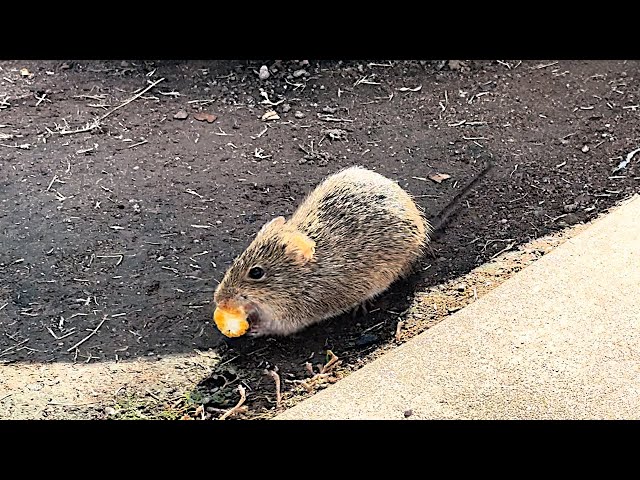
[256,273]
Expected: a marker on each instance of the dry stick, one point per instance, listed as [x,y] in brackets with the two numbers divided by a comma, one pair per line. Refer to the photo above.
[88,336]
[55,177]
[6,396]
[276,378]
[12,347]
[96,123]
[138,144]
[546,65]
[63,404]
[137,95]
[231,411]
[508,247]
[398,328]
[327,367]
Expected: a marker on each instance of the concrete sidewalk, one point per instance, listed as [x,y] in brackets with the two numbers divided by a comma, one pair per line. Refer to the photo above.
[559,340]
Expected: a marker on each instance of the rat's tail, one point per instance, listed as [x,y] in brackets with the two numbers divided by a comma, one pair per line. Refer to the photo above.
[441,220]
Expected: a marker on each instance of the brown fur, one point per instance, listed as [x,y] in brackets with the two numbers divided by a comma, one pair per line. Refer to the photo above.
[351,238]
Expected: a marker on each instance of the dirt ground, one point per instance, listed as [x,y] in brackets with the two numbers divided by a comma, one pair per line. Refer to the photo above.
[118,218]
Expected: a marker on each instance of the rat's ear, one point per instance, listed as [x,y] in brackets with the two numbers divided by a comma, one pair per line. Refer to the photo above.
[300,246]
[277,222]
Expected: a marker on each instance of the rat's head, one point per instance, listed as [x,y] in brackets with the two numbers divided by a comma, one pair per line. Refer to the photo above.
[258,292]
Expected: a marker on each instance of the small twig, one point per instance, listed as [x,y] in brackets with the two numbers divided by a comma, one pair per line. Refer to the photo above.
[276,379]
[193,192]
[223,133]
[234,410]
[153,394]
[88,336]
[12,347]
[229,361]
[4,305]
[139,94]
[258,153]
[626,161]
[508,247]
[538,67]
[333,119]
[263,131]
[53,334]
[139,143]
[42,99]
[6,396]
[398,329]
[330,365]
[24,146]
[72,404]
[519,198]
[96,123]
[374,326]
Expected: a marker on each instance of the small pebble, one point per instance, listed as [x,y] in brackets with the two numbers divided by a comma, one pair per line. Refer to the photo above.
[585,149]
[286,107]
[299,114]
[264,72]
[110,411]
[181,115]
[461,287]
[408,413]
[299,73]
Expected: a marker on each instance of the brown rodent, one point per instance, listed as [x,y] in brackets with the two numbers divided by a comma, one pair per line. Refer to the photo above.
[351,238]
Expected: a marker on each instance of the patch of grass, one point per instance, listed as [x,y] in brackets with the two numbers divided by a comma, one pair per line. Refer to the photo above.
[133,407]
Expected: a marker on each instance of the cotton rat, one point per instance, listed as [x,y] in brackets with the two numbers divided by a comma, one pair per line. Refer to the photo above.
[350,239]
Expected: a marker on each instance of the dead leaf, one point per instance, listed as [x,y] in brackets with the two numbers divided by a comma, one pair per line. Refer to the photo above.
[202,116]
[439,177]
[407,89]
[25,73]
[181,115]
[270,115]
